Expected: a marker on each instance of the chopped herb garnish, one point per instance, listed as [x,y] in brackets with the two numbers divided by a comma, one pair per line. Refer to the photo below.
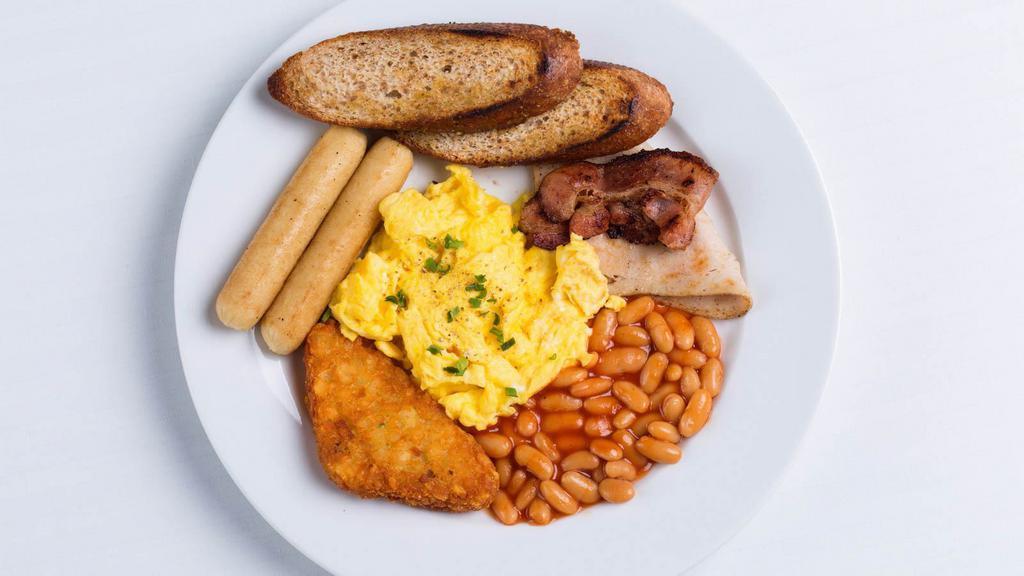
[475,302]
[553,356]
[434,266]
[459,368]
[433,349]
[497,319]
[509,391]
[452,243]
[399,299]
[515,229]
[452,313]
[478,286]
[326,315]
[431,244]
[492,299]
[504,344]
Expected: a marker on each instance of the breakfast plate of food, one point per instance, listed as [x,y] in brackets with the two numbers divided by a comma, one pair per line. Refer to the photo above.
[505,289]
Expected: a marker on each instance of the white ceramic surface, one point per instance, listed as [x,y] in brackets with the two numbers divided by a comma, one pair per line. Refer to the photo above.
[770,206]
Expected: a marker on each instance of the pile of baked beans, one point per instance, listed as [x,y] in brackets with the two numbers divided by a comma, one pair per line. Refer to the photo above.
[598,428]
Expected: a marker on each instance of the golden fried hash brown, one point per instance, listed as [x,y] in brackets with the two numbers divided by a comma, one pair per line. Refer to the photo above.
[379,435]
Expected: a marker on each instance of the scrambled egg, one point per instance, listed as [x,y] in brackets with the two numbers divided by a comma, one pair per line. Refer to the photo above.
[448,287]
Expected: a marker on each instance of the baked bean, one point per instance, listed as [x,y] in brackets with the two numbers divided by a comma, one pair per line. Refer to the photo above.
[602,330]
[616,490]
[504,467]
[603,406]
[535,461]
[516,482]
[623,438]
[659,450]
[598,475]
[696,414]
[635,457]
[558,498]
[636,309]
[526,494]
[690,382]
[580,487]
[663,431]
[582,460]
[661,334]
[631,395]
[706,336]
[507,426]
[495,445]
[571,442]
[597,426]
[569,376]
[527,423]
[591,360]
[663,391]
[621,360]
[605,449]
[673,372]
[540,512]
[559,402]
[624,419]
[672,407]
[652,372]
[711,376]
[639,428]
[682,330]
[623,469]
[631,336]
[591,387]
[693,358]
[503,509]
[546,445]
[561,422]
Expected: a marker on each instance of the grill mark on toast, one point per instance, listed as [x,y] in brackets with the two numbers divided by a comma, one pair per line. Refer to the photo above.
[477,33]
[482,111]
[543,65]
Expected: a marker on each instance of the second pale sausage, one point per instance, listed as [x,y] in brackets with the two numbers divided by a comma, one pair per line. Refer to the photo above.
[335,247]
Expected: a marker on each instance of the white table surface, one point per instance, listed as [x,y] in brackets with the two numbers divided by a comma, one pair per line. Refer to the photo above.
[914,110]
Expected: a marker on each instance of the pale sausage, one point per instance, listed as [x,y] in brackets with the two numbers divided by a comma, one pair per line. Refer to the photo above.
[288,228]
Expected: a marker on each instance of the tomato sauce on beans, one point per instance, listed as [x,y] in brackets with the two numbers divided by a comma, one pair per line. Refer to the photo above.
[596,430]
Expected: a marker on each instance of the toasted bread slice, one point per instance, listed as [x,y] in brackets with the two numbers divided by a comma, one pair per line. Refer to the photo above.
[465,77]
[612,109]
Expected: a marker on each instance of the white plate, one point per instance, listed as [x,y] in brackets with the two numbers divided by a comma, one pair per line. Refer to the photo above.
[770,206]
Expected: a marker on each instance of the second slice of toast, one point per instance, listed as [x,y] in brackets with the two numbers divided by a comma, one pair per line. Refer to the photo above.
[612,109]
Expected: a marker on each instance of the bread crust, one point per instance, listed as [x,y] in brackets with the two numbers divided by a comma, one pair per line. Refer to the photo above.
[557,73]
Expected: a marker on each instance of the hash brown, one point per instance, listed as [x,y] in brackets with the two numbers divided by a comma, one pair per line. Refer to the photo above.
[378,435]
